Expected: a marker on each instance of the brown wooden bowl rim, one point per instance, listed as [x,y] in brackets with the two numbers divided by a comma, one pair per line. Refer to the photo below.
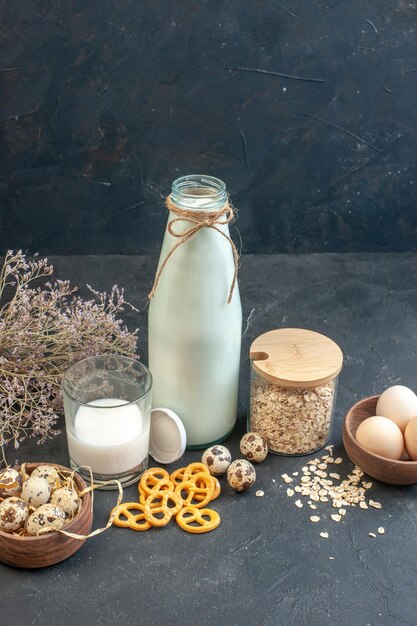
[356,442]
[86,503]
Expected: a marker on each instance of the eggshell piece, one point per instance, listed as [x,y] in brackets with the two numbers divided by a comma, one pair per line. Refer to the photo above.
[399,404]
[217,458]
[410,437]
[13,514]
[67,499]
[46,516]
[381,436]
[11,482]
[254,447]
[36,491]
[241,475]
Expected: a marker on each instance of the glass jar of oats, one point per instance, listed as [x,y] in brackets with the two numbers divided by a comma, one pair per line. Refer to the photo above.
[294,376]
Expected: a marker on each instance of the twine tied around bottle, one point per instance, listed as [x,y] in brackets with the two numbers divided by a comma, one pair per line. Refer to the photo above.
[199,219]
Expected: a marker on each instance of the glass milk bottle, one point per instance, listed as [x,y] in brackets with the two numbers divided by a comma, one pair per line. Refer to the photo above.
[195,315]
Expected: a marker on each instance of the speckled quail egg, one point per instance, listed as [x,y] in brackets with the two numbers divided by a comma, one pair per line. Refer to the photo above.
[241,475]
[36,491]
[67,499]
[254,447]
[13,514]
[49,473]
[217,459]
[46,516]
[11,482]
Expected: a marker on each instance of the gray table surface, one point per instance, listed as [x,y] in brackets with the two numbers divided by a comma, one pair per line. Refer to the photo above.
[266,564]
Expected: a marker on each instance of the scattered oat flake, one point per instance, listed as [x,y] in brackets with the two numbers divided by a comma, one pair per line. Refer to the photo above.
[363,504]
[338,460]
[259,493]
[305,469]
[324,534]
[329,448]
[381,530]
[372,535]
[290,492]
[314,519]
[336,517]
[286,478]
[342,511]
[375,505]
[298,504]
[334,475]
[295,473]
[330,459]
[322,466]
[313,506]
[367,485]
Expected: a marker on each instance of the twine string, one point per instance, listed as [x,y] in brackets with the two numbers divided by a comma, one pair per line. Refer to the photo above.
[199,219]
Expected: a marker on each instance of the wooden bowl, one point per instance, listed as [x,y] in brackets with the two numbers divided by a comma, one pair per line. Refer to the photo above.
[33,552]
[386,470]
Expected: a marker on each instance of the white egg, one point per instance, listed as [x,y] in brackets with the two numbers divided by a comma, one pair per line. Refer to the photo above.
[382,436]
[410,437]
[399,404]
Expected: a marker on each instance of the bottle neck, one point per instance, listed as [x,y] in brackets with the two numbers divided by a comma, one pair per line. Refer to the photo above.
[198,192]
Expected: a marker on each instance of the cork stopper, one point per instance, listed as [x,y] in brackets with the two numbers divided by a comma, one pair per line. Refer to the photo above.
[295,357]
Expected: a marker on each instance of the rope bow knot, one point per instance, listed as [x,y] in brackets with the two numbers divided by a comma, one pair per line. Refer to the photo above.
[199,219]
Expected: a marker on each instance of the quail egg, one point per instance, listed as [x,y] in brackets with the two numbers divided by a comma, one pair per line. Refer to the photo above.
[241,475]
[46,516]
[49,473]
[10,482]
[13,514]
[67,499]
[217,459]
[36,491]
[254,447]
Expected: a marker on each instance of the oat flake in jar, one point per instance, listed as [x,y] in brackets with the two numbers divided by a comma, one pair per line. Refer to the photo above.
[293,389]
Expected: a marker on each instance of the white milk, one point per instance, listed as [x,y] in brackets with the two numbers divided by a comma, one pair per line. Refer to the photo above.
[194,335]
[109,440]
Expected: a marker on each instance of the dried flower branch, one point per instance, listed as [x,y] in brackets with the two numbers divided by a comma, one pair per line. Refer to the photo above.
[44,330]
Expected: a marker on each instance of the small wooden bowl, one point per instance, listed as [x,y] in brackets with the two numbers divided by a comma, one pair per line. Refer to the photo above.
[386,470]
[33,552]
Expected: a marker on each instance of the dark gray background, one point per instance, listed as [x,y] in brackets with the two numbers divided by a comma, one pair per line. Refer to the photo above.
[103,103]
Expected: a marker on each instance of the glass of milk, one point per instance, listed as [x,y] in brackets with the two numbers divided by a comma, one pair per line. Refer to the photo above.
[107,402]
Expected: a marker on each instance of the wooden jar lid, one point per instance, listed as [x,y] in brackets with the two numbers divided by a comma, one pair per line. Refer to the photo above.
[294,357]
